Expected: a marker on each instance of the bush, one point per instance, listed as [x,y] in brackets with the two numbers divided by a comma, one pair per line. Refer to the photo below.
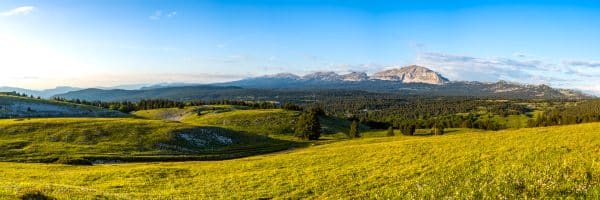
[437,129]
[408,129]
[390,131]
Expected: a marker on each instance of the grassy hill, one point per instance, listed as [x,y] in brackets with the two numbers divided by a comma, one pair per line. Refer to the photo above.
[270,121]
[192,133]
[527,163]
[23,107]
[124,139]
[273,122]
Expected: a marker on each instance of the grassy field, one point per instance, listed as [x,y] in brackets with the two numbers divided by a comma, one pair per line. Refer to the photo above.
[263,122]
[124,139]
[526,163]
[192,133]
[277,123]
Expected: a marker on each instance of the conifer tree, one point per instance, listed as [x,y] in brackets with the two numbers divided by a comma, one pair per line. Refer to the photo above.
[308,126]
[354,133]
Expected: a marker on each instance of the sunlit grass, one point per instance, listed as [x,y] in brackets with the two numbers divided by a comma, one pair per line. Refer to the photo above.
[526,163]
[128,139]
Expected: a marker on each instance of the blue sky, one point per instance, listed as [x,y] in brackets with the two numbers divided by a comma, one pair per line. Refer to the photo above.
[113,42]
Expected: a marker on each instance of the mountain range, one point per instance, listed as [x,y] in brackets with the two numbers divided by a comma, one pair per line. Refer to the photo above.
[409,80]
[409,74]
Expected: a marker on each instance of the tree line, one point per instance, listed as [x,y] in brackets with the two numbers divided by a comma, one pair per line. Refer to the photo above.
[149,104]
[563,114]
[16,94]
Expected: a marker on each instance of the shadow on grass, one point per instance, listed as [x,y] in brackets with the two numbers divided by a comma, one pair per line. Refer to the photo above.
[205,143]
[189,144]
[36,196]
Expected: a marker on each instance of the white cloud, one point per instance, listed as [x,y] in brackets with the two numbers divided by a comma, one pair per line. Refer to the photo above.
[23,10]
[582,75]
[484,69]
[156,15]
[582,63]
[171,14]
[159,14]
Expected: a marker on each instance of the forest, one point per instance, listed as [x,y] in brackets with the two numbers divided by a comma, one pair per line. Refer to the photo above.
[384,110]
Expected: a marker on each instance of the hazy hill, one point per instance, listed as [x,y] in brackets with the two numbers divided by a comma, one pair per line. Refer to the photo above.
[18,107]
[40,93]
[184,93]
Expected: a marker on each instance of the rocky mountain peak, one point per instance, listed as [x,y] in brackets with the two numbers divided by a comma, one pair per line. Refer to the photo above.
[323,76]
[283,76]
[411,74]
[355,76]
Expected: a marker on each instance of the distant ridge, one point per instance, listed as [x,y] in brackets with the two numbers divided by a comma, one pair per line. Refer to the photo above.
[40,93]
[16,107]
[410,80]
[408,74]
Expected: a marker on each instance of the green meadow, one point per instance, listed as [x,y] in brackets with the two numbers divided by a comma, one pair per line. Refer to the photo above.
[537,163]
[232,152]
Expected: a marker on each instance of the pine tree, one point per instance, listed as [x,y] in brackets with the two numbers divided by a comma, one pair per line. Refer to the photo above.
[308,126]
[353,133]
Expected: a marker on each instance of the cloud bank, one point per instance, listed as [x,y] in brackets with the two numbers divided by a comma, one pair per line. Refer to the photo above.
[582,75]
[23,10]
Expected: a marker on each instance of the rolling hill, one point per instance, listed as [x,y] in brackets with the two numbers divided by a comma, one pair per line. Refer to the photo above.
[124,139]
[23,107]
[537,163]
[272,122]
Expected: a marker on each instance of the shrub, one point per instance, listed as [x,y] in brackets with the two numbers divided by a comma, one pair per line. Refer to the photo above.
[408,129]
[437,129]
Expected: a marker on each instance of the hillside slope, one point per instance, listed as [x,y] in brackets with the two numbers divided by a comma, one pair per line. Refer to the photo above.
[15,107]
[537,163]
[243,119]
[124,139]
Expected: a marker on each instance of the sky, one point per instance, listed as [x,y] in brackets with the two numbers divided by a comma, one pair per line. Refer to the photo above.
[44,44]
